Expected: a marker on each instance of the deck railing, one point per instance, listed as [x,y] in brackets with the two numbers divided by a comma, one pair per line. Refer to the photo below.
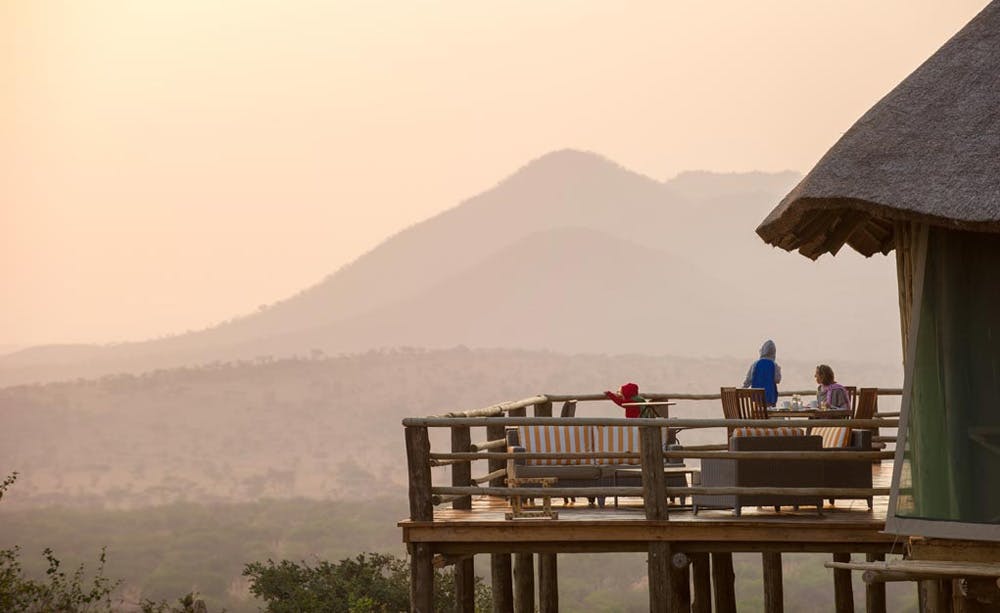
[491,450]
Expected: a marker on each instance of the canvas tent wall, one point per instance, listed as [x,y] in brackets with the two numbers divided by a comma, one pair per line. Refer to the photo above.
[919,173]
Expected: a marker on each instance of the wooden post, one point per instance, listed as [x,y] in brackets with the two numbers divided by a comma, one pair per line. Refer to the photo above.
[773,589]
[418,451]
[843,593]
[465,586]
[875,592]
[461,473]
[658,569]
[543,409]
[654,492]
[421,578]
[548,583]
[654,500]
[518,412]
[524,583]
[702,579]
[680,589]
[493,433]
[935,596]
[502,588]
[724,582]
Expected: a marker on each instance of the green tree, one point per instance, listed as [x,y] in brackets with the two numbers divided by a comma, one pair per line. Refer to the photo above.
[367,583]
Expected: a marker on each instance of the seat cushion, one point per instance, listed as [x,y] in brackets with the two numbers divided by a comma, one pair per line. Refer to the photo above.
[775,431]
[586,472]
[556,439]
[834,437]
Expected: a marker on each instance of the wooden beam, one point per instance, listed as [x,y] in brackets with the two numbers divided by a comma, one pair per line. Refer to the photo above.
[465,586]
[418,449]
[701,576]
[421,579]
[823,492]
[543,409]
[843,593]
[774,600]
[724,582]
[693,547]
[548,583]
[874,593]
[716,535]
[524,583]
[501,581]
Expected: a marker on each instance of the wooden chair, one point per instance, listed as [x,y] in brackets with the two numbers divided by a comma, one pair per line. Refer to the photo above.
[743,403]
[866,404]
[852,397]
[866,408]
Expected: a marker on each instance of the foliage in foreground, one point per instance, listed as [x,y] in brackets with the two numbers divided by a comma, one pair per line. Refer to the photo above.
[369,582]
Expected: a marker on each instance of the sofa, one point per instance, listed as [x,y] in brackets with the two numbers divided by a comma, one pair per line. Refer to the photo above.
[722,472]
[583,472]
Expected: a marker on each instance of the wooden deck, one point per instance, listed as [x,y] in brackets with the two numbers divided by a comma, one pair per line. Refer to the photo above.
[846,526]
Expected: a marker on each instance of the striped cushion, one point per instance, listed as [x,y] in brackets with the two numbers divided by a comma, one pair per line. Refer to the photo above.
[776,431]
[834,436]
[620,439]
[556,439]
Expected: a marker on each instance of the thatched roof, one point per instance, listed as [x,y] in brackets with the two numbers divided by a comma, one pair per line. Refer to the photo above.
[929,152]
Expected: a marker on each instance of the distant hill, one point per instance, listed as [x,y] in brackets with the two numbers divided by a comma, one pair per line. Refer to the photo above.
[570,253]
[327,427]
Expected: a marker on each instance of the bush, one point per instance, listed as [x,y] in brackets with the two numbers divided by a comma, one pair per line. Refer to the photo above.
[369,582]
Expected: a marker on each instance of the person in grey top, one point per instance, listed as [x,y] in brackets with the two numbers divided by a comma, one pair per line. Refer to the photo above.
[765,373]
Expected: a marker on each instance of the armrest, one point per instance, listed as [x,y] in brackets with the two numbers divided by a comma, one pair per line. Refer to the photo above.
[516,449]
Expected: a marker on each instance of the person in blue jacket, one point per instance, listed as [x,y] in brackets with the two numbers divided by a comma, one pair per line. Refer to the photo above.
[765,373]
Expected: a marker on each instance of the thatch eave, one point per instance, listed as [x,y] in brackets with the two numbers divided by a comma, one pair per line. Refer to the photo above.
[816,226]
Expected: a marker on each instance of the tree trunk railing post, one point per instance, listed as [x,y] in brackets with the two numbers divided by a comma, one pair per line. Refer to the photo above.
[543,409]
[843,593]
[501,581]
[418,451]
[461,473]
[654,491]
[494,433]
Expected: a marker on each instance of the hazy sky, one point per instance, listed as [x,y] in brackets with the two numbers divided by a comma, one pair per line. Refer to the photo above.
[167,165]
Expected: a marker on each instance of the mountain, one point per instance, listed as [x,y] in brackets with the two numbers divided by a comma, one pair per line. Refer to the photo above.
[570,253]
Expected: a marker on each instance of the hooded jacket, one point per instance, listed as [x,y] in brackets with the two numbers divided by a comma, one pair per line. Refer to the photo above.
[765,373]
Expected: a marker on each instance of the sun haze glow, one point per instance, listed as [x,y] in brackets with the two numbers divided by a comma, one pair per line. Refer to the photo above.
[167,165]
